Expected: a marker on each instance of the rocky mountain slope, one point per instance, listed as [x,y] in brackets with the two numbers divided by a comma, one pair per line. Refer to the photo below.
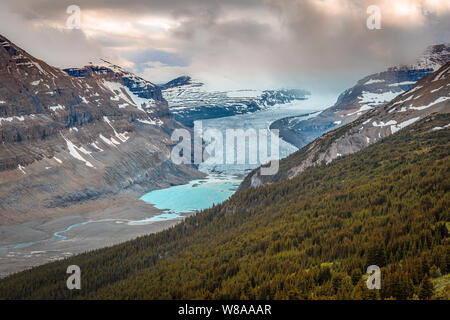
[77,135]
[189,100]
[430,95]
[368,93]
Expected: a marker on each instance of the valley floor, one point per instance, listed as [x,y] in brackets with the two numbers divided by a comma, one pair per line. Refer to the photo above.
[65,232]
[43,240]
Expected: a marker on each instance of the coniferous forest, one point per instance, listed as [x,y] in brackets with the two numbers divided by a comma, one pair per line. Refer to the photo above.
[310,237]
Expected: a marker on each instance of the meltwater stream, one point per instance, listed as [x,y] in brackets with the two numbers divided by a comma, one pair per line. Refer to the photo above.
[197,195]
[218,186]
[58,235]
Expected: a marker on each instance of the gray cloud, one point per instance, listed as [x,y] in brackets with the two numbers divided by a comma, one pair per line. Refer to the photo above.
[320,45]
[62,48]
[36,9]
[143,58]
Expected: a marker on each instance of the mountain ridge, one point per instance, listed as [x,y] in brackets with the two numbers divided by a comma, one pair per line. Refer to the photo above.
[369,92]
[429,95]
[69,137]
[189,100]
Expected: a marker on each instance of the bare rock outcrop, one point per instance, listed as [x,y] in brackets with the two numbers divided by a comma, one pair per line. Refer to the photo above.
[76,135]
[430,95]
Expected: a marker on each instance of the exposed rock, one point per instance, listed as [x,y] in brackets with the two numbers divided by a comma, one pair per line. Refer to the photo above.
[430,95]
[190,100]
[78,135]
[368,93]
[177,82]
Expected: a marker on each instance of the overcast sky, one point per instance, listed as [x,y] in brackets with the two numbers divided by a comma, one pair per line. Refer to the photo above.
[320,45]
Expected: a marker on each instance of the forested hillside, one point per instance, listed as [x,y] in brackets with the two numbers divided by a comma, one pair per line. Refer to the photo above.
[311,237]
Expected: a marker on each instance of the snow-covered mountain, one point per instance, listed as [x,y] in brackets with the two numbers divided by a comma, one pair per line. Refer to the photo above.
[429,96]
[189,100]
[368,93]
[128,90]
[71,136]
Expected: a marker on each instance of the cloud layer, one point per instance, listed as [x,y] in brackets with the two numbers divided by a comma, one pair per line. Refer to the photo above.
[320,45]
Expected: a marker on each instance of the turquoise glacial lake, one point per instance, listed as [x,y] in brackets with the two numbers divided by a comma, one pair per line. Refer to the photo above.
[196,195]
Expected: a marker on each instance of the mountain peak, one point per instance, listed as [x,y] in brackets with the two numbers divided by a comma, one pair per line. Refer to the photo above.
[86,132]
[177,82]
[429,96]
[432,58]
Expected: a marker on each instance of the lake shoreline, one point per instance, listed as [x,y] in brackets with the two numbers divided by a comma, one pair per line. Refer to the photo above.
[51,237]
[47,239]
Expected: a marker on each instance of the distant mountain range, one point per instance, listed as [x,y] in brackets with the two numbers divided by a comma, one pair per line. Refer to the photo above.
[429,96]
[189,100]
[369,92]
[69,136]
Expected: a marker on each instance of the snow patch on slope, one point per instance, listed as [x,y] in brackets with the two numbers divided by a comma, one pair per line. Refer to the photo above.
[439,100]
[374,99]
[372,81]
[118,89]
[395,128]
[73,151]
[57,107]
[121,136]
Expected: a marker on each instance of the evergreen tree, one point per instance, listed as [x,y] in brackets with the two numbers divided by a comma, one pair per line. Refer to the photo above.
[356,276]
[426,288]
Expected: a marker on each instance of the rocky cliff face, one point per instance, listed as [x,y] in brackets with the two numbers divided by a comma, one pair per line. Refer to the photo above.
[128,89]
[368,93]
[190,100]
[430,95]
[69,136]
